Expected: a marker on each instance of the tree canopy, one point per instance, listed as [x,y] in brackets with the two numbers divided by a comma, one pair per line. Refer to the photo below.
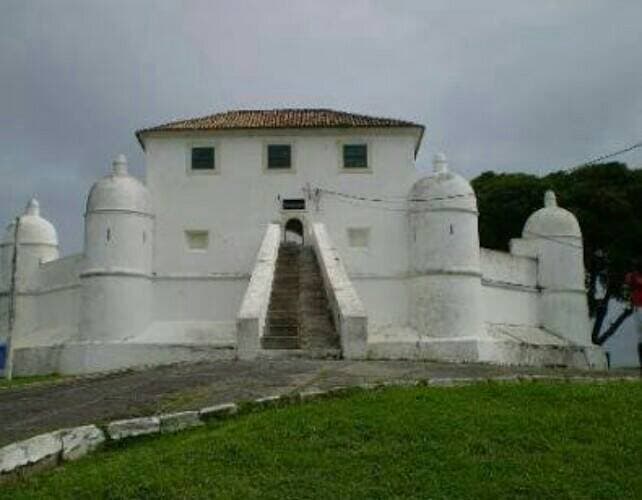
[607,201]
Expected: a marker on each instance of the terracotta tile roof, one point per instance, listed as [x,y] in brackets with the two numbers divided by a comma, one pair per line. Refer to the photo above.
[279,118]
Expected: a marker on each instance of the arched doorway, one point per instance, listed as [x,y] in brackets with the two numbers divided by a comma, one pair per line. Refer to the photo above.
[293,232]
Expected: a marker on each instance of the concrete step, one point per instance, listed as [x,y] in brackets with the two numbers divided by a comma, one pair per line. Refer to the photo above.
[283,313]
[311,353]
[284,306]
[275,342]
[279,322]
[283,331]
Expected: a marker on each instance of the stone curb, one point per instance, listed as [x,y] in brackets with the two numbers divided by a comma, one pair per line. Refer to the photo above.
[64,445]
[218,411]
[133,427]
[57,446]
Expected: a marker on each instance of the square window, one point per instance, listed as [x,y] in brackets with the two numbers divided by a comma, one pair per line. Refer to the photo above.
[355,156]
[197,240]
[203,158]
[359,237]
[293,204]
[279,156]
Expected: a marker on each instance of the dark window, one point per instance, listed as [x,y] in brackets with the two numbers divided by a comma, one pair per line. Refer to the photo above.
[279,156]
[203,158]
[355,156]
[294,204]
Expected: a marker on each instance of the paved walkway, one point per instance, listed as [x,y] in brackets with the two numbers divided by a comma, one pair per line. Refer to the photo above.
[30,410]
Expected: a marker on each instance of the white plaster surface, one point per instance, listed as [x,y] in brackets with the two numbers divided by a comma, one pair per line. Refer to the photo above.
[350,318]
[505,268]
[252,315]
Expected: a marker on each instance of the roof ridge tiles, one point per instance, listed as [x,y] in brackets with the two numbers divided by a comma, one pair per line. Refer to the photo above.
[280,118]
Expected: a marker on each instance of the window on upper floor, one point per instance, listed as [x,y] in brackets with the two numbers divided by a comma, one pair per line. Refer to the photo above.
[355,156]
[203,158]
[279,156]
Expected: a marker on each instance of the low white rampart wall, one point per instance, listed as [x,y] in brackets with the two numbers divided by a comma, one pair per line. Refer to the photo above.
[251,318]
[60,272]
[349,315]
[505,268]
[509,294]
[47,309]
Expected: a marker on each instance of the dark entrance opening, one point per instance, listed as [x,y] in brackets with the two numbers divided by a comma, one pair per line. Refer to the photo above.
[293,232]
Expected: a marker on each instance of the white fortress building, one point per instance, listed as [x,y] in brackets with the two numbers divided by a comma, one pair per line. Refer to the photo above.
[293,232]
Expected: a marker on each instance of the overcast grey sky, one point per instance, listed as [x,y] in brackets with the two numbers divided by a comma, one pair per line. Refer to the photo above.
[505,85]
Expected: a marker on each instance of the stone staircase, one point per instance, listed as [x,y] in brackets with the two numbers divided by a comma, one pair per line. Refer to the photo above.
[299,318]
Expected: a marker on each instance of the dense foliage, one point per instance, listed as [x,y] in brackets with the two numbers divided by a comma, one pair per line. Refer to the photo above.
[607,200]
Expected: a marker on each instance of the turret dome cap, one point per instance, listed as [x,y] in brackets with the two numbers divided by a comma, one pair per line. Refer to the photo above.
[442,190]
[33,229]
[551,220]
[119,191]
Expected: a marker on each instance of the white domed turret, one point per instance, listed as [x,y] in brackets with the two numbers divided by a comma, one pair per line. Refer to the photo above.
[442,190]
[444,255]
[118,256]
[37,243]
[557,237]
[118,223]
[551,221]
[33,229]
[119,191]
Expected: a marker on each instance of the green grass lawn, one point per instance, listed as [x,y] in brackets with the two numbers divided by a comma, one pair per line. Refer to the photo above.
[525,440]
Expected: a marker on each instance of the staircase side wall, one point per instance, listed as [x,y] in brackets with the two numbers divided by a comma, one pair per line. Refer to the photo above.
[251,317]
[351,320]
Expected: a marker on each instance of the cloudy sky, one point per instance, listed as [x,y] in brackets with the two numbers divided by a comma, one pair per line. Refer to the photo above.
[505,85]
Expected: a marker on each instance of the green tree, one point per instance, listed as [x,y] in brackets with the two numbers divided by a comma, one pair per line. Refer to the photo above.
[607,201]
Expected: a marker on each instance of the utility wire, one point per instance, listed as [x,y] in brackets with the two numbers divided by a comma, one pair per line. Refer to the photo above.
[391,200]
[610,155]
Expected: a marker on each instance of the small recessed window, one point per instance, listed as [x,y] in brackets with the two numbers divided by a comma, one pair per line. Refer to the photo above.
[359,237]
[279,156]
[197,240]
[294,204]
[355,156]
[203,158]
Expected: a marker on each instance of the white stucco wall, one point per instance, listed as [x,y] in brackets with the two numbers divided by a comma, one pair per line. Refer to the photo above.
[509,293]
[237,201]
[47,309]
[387,302]
[252,313]
[505,268]
[512,306]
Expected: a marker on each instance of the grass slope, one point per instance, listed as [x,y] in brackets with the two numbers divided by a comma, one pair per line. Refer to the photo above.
[529,440]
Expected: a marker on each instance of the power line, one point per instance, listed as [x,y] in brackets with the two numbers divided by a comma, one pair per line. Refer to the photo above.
[610,155]
[391,200]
